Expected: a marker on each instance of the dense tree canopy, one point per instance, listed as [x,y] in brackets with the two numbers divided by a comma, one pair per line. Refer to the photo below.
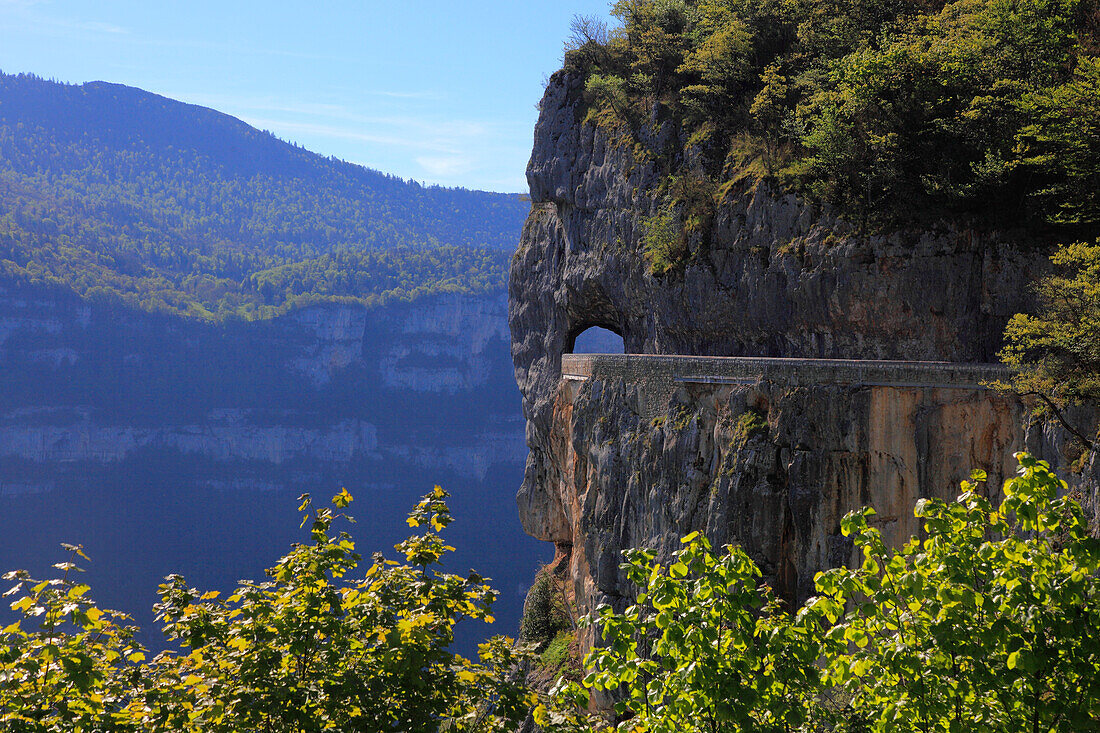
[1055,352]
[893,110]
[121,194]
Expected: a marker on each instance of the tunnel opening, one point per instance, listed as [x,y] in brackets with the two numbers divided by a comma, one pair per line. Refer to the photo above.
[595,340]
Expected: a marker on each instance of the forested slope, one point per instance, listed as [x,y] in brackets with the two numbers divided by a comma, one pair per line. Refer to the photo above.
[892,111]
[122,194]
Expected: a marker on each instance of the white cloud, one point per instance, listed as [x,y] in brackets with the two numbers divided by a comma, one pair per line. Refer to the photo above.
[446,166]
[407,95]
[283,127]
[29,18]
[92,25]
[228,102]
[423,127]
[387,130]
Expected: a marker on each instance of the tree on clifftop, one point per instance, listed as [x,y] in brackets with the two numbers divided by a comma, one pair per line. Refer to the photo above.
[1056,352]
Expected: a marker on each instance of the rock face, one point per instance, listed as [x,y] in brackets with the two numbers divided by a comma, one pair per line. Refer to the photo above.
[775,278]
[99,385]
[224,435]
[102,407]
[771,464]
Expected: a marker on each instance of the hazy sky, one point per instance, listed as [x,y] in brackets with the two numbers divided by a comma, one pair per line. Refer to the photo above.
[441,92]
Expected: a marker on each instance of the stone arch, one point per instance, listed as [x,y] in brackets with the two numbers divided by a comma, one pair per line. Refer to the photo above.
[595,338]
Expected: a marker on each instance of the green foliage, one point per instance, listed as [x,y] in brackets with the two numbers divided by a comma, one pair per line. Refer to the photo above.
[65,665]
[749,424]
[557,652]
[611,91]
[930,116]
[771,113]
[546,614]
[987,624]
[705,646]
[316,647]
[720,64]
[1062,146]
[369,277]
[1056,352]
[662,241]
[125,196]
[892,110]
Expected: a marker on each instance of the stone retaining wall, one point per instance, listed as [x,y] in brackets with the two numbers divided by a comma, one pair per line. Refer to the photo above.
[660,374]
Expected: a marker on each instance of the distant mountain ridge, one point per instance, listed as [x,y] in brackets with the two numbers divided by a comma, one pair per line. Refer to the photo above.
[118,193]
[177,444]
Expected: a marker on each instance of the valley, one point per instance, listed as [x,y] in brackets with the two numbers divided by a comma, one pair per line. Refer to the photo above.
[175,371]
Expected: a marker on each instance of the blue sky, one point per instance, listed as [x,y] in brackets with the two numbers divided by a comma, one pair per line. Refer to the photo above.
[440,92]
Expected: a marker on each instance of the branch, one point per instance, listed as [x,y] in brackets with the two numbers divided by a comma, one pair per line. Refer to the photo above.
[566,604]
[1061,418]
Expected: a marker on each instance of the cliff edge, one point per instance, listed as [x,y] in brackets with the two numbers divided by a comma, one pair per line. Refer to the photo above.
[770,465]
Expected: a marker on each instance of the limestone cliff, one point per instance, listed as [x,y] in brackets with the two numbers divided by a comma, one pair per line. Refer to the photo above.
[164,444]
[771,462]
[776,277]
[99,384]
